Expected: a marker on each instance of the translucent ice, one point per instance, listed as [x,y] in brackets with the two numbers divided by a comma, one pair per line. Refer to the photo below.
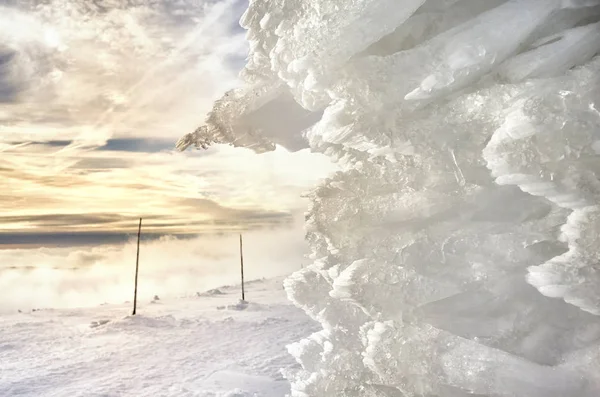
[456,250]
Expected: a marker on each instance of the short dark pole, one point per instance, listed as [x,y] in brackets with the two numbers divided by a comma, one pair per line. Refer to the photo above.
[242,267]
[137,268]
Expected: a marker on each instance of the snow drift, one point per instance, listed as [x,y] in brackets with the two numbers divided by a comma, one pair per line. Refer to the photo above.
[455,253]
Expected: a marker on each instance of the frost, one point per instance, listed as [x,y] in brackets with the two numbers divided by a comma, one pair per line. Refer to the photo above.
[455,253]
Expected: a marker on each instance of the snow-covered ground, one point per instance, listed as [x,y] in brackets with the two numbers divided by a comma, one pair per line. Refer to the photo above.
[199,346]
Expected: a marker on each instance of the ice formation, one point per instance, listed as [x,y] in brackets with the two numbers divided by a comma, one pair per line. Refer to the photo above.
[456,252]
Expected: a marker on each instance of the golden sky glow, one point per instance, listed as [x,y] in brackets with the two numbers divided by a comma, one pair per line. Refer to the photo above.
[224,189]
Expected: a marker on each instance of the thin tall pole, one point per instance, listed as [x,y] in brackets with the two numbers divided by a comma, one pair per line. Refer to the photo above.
[137,268]
[242,267]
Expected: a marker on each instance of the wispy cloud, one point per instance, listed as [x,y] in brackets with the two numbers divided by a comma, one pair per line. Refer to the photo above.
[143,145]
[88,71]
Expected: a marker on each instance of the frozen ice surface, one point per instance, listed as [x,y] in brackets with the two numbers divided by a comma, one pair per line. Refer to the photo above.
[456,250]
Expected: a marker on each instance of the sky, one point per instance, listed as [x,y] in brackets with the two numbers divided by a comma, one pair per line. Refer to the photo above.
[94,95]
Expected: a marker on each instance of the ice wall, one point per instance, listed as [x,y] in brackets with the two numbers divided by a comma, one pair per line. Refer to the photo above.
[456,253]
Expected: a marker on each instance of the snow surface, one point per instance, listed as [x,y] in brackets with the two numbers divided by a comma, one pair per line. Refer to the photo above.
[206,346]
[455,253]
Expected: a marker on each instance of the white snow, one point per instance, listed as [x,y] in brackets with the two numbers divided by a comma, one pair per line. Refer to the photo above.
[173,347]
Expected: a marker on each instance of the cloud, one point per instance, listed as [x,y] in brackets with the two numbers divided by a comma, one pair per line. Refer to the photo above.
[143,145]
[88,71]
[224,189]
[8,89]
[169,267]
[96,94]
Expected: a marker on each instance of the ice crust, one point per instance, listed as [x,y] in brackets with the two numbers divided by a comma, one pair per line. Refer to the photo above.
[456,252]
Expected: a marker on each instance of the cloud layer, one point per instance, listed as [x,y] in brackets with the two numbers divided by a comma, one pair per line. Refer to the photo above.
[224,189]
[169,267]
[92,70]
